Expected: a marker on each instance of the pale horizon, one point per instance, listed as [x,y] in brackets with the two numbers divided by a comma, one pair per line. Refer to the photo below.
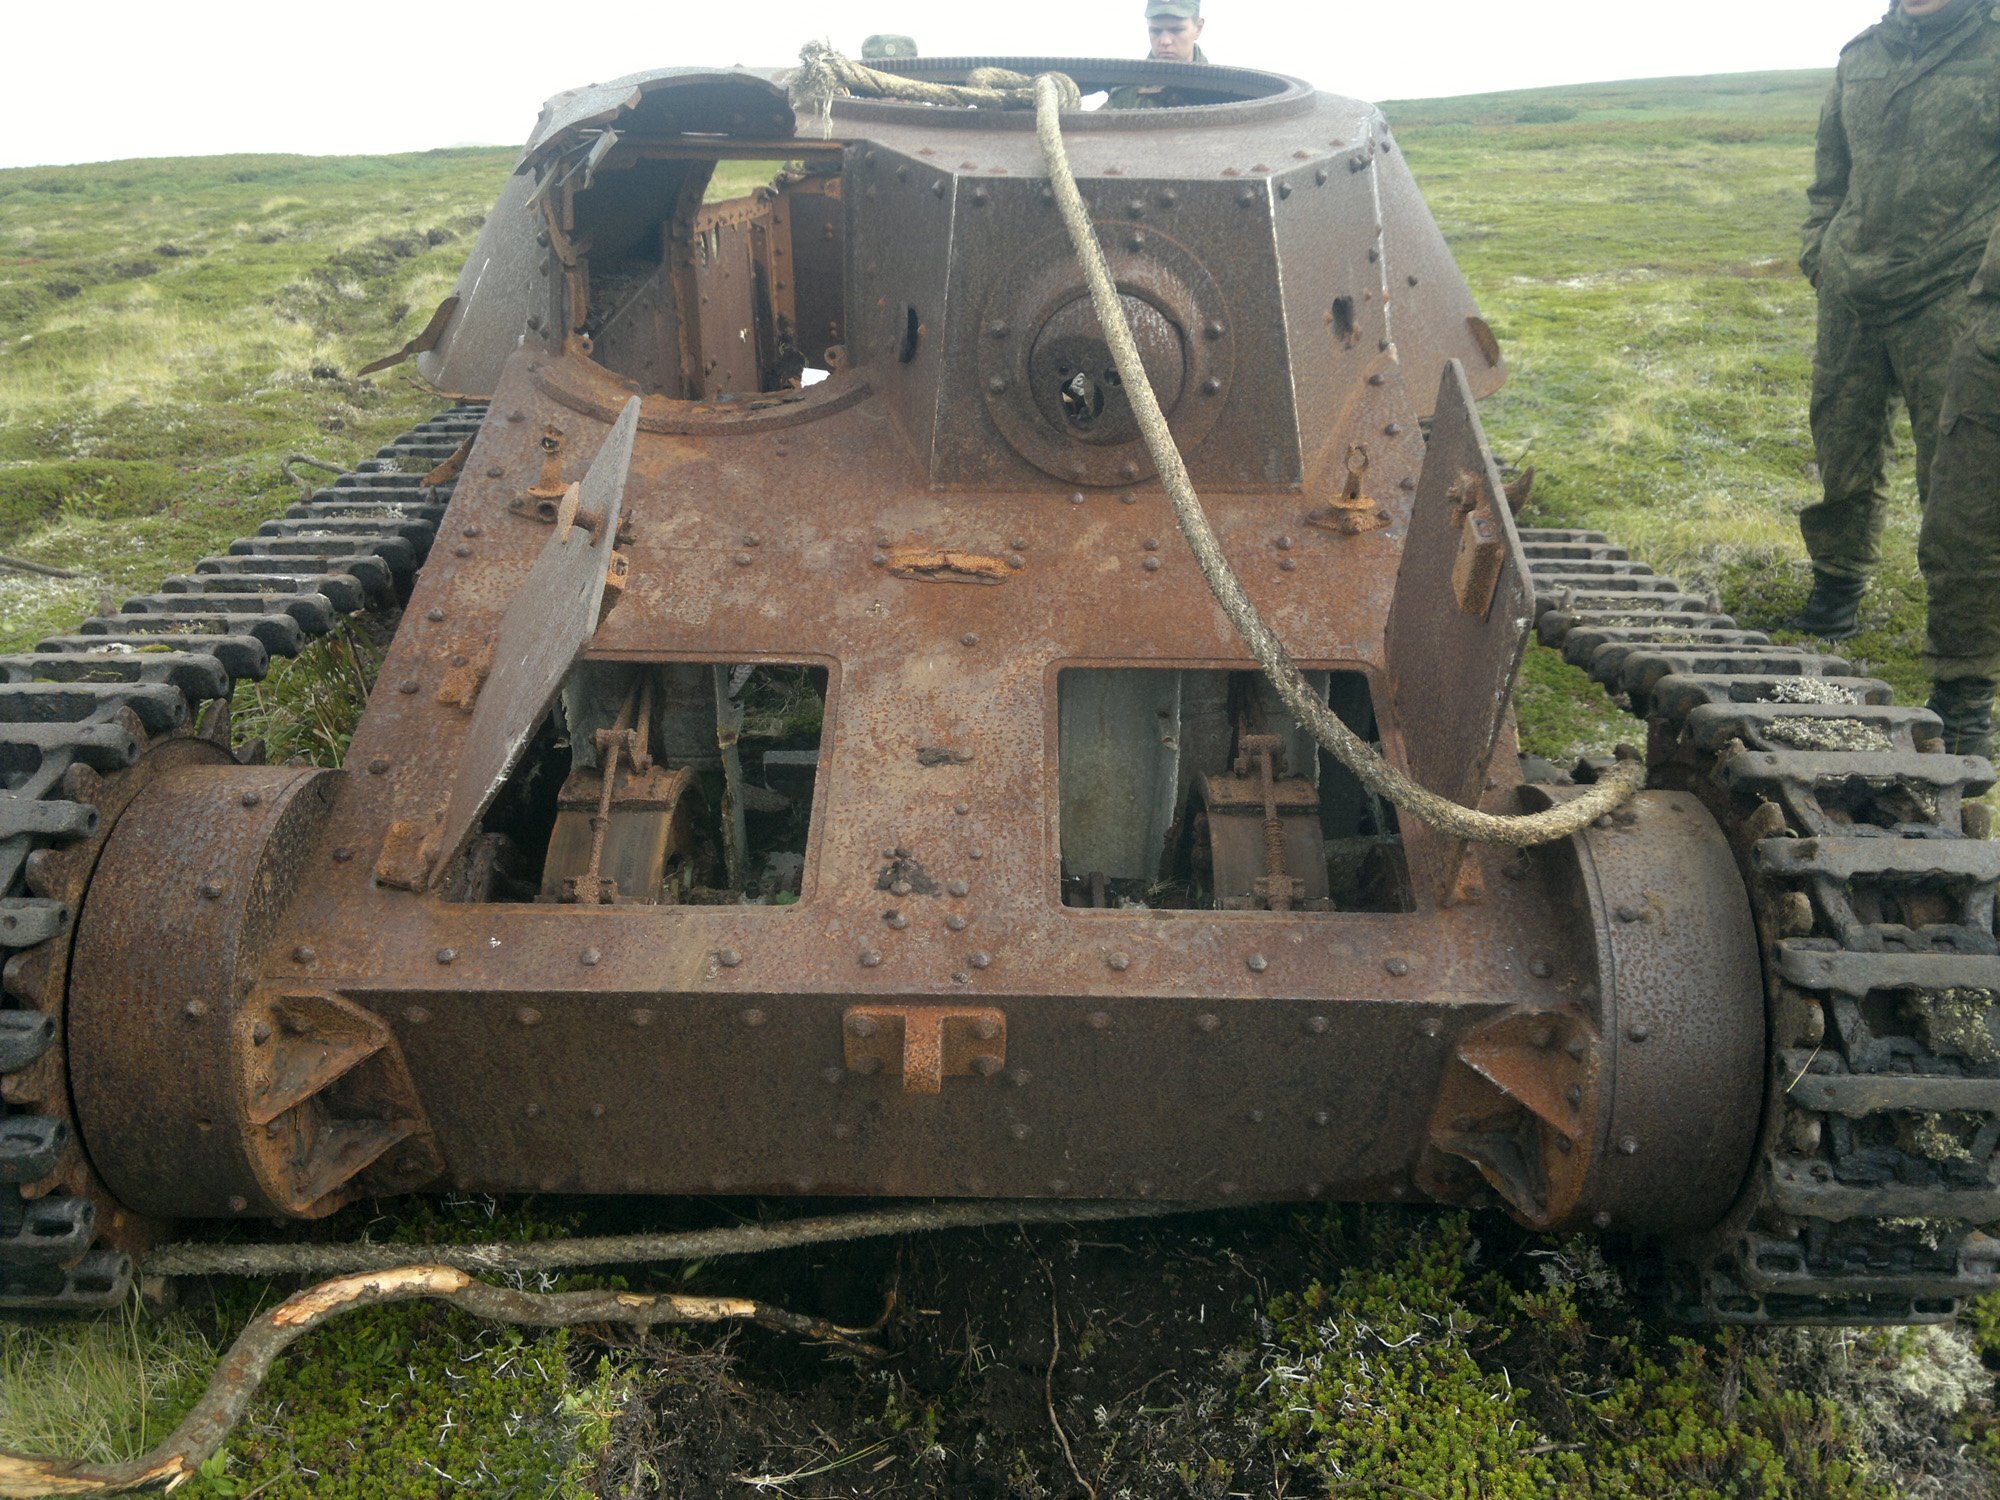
[230,77]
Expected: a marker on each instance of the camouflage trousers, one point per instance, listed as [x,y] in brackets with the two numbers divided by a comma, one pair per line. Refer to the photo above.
[1859,369]
[1959,547]
[1949,384]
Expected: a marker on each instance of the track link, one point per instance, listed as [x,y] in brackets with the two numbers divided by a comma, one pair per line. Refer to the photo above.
[1873,884]
[83,706]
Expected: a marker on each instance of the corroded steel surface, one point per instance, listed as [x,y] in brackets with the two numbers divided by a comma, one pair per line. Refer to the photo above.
[945,524]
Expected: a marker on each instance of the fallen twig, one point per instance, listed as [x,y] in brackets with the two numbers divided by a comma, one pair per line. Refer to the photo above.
[1049,1391]
[250,1359]
[22,565]
[305,462]
[1049,1375]
[638,1249]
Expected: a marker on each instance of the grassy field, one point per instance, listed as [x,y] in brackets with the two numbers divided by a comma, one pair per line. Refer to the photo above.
[169,331]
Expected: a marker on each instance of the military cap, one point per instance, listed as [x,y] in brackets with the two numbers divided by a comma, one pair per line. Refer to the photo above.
[888,45]
[1176,10]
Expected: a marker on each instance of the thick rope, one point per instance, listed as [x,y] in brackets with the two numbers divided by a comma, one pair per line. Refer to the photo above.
[635,1249]
[1518,831]
[824,74]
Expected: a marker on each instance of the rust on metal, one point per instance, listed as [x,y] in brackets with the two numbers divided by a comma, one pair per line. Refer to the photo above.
[924,1044]
[943,565]
[781,876]
[423,343]
[1457,624]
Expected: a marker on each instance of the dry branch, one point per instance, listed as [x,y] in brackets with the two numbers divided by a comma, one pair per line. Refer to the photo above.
[23,565]
[250,1358]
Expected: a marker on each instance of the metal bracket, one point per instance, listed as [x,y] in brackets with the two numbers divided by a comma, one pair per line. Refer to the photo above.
[1520,1104]
[925,1043]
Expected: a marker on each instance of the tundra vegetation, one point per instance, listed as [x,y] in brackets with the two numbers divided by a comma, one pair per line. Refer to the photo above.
[171,330]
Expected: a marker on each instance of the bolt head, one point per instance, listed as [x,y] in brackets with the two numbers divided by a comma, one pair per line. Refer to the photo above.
[729,958]
[1119,961]
[982,961]
[1257,963]
[753,1017]
[1397,967]
[1208,1022]
[527,1015]
[446,955]
[591,958]
[303,954]
[870,959]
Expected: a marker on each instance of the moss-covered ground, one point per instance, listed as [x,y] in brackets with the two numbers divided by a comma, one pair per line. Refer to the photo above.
[170,331]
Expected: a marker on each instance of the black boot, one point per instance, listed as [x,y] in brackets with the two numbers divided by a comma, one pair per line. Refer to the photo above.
[1966,706]
[1833,613]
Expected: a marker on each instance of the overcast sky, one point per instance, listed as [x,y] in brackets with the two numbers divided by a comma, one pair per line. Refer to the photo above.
[115,79]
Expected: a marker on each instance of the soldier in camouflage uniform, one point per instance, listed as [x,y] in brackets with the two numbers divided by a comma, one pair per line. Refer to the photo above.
[1905,200]
[1174,28]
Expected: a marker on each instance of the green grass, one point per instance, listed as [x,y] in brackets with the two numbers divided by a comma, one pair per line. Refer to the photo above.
[169,331]
[1637,259]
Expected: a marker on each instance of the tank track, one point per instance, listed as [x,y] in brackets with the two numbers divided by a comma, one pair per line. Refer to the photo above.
[1873,887]
[80,707]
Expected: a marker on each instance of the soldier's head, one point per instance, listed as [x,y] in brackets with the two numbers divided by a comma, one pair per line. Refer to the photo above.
[886,44]
[1175,27]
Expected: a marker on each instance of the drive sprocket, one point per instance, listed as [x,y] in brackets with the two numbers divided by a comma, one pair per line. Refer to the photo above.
[86,719]
[1872,882]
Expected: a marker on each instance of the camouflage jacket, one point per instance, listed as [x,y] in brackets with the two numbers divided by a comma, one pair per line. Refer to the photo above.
[1152,95]
[1906,191]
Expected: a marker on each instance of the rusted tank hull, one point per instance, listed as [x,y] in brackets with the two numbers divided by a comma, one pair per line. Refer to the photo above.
[1189,1058]
[293,988]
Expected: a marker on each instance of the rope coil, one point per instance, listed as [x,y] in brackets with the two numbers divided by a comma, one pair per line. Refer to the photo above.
[1519,831]
[824,74]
